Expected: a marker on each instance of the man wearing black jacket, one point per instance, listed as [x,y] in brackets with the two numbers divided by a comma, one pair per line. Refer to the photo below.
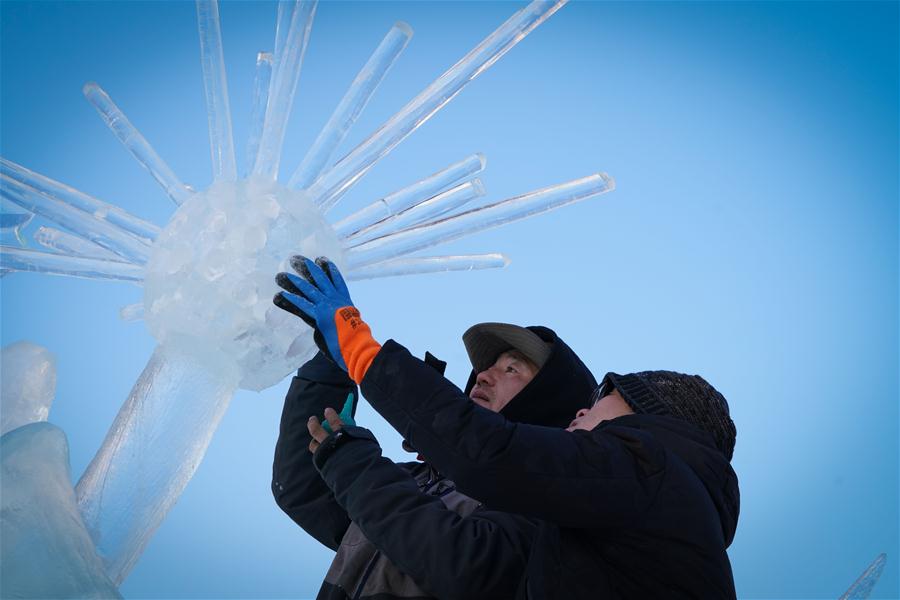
[636,500]
[403,530]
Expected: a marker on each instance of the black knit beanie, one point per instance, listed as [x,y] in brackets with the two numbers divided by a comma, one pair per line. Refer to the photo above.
[687,397]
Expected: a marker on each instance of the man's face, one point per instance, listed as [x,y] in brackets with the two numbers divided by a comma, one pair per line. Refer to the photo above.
[608,407]
[498,384]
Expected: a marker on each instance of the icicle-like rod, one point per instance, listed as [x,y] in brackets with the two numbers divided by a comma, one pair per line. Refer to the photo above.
[264,65]
[351,105]
[90,226]
[284,84]
[135,143]
[329,188]
[69,244]
[420,191]
[424,212]
[429,264]
[215,83]
[21,259]
[68,195]
[478,219]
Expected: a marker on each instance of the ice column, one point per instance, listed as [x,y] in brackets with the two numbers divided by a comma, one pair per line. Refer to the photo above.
[329,188]
[177,402]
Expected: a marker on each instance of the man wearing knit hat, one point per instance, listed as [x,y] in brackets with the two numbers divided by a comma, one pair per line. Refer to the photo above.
[636,500]
[403,530]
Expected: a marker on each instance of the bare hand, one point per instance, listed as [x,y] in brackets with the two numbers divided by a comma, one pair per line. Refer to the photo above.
[318,432]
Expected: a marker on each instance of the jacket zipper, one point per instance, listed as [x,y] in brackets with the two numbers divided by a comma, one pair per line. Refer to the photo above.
[366,574]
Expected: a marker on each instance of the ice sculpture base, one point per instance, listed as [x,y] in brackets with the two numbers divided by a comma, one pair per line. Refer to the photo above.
[45,550]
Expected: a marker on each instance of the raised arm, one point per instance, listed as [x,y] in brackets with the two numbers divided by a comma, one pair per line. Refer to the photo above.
[465,555]
[298,489]
[570,478]
[609,475]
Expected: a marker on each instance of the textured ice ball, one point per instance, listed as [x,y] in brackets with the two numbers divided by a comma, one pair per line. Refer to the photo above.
[211,278]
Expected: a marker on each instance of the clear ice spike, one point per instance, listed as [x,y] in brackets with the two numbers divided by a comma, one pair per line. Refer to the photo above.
[863,586]
[63,193]
[135,143]
[420,191]
[264,64]
[151,451]
[215,83]
[477,219]
[284,14]
[90,226]
[351,106]
[428,264]
[282,88]
[72,245]
[335,182]
[22,259]
[424,212]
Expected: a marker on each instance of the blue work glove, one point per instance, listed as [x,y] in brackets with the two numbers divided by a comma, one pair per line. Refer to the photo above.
[316,297]
[320,297]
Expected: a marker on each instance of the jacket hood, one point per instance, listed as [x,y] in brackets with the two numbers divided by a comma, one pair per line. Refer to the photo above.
[561,388]
[698,449]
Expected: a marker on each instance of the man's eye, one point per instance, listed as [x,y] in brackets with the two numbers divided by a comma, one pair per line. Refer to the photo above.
[511,370]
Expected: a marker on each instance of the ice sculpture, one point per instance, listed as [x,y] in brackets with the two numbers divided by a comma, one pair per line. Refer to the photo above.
[28,385]
[47,552]
[863,586]
[208,274]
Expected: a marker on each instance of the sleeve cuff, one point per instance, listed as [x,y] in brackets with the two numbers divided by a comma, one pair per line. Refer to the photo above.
[334,441]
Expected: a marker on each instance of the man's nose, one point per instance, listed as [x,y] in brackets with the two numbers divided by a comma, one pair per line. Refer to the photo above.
[484,378]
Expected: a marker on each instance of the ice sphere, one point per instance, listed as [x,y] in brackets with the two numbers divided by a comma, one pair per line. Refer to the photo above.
[210,278]
[45,550]
[28,386]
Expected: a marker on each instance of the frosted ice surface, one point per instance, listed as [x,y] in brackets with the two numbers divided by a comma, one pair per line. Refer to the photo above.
[45,551]
[210,278]
[28,384]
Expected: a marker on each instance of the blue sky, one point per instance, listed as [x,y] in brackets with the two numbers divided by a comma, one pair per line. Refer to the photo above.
[752,238]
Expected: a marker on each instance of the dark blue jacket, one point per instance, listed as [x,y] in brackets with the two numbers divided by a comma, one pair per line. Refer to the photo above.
[641,507]
[402,529]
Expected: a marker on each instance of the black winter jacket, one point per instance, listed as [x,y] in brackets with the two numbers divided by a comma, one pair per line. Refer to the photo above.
[399,527]
[641,507]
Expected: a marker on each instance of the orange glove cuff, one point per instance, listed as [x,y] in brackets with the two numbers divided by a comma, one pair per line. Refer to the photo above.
[358,347]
